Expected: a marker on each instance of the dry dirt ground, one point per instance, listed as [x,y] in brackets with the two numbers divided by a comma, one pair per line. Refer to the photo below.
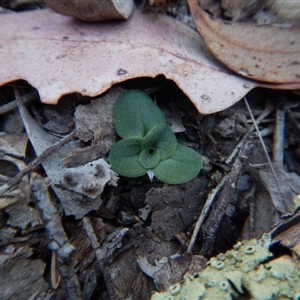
[138,221]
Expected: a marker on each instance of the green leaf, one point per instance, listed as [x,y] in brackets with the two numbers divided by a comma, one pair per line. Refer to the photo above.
[163,139]
[124,157]
[149,158]
[135,114]
[183,166]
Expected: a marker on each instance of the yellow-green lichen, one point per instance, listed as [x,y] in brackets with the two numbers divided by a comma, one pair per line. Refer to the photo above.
[241,274]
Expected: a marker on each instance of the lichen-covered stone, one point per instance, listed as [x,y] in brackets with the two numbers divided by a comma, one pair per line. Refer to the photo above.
[278,279]
[241,272]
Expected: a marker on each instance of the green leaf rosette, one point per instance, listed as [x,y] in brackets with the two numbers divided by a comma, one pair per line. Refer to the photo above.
[149,145]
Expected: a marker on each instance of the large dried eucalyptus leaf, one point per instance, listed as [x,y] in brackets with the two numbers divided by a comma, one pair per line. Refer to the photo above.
[59,55]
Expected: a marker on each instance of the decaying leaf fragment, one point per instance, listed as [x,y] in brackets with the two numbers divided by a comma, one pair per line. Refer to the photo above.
[267,53]
[14,144]
[13,148]
[21,276]
[167,272]
[89,179]
[93,10]
[98,128]
[287,232]
[285,11]
[77,188]
[282,195]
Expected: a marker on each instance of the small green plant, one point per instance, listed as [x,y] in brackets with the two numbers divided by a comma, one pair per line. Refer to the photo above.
[148,144]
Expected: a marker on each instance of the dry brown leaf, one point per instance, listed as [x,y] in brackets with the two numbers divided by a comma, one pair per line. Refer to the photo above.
[159,3]
[167,272]
[287,232]
[288,184]
[285,11]
[14,144]
[267,53]
[92,10]
[240,10]
[13,148]
[59,55]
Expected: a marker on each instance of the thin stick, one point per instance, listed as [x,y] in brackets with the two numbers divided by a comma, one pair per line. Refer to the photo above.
[55,280]
[261,117]
[13,104]
[279,136]
[263,146]
[57,237]
[209,202]
[92,237]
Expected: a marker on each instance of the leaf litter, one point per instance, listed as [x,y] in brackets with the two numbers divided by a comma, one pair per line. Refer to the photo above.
[77,185]
[274,57]
[27,273]
[158,220]
[123,236]
[94,56]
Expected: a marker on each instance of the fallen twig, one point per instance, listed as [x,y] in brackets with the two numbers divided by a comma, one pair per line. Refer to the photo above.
[55,280]
[58,240]
[209,202]
[268,109]
[279,135]
[14,103]
[211,198]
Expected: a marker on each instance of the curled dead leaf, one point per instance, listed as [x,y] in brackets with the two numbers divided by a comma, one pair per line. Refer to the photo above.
[285,11]
[267,53]
[240,10]
[92,10]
